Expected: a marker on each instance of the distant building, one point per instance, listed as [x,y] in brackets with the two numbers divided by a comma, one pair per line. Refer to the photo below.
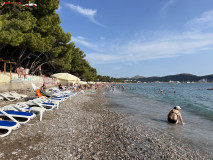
[203,81]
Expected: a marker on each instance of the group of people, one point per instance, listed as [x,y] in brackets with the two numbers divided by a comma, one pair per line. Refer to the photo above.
[174,115]
[25,71]
[78,87]
[72,87]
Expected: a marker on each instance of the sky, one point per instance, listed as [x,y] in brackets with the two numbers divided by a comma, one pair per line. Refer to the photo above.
[124,38]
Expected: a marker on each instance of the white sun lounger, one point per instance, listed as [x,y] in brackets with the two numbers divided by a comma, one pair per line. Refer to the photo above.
[8,97]
[17,95]
[19,116]
[47,106]
[56,101]
[37,110]
[30,107]
[7,126]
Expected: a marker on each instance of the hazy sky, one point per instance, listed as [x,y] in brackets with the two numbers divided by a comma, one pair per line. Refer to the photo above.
[124,38]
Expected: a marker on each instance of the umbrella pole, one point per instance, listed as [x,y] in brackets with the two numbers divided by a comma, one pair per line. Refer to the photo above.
[4,67]
[10,73]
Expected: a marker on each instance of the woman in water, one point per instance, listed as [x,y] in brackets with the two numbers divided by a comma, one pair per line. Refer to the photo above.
[174,114]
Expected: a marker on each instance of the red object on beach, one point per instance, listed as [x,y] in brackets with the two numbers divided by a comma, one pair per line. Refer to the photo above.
[38,93]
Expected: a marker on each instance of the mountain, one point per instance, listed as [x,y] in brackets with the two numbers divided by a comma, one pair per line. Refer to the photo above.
[137,77]
[184,77]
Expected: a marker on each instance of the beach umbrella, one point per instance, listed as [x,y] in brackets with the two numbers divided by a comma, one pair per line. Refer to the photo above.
[82,82]
[66,77]
[91,82]
[4,78]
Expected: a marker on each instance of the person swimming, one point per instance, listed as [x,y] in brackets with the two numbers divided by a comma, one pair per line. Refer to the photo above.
[174,114]
[122,88]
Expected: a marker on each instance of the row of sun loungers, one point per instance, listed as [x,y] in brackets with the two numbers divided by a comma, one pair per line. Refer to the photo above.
[14,115]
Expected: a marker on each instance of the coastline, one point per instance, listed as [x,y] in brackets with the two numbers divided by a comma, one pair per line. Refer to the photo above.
[85,128]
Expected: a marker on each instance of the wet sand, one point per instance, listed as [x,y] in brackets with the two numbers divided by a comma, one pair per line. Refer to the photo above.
[84,128]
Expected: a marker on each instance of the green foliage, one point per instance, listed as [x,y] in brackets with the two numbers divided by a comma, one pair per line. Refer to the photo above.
[46,7]
[34,37]
[81,67]
[108,79]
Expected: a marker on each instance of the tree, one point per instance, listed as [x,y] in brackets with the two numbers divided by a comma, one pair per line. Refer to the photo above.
[30,36]
[33,37]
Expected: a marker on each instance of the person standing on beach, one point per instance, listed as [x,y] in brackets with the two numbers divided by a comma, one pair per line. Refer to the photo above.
[122,88]
[18,72]
[174,114]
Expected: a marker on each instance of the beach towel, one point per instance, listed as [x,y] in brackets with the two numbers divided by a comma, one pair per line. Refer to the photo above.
[38,93]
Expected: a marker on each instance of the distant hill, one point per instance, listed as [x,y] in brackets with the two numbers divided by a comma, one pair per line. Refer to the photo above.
[184,77]
[137,77]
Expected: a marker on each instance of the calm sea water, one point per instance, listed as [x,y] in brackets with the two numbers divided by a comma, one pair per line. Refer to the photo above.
[148,105]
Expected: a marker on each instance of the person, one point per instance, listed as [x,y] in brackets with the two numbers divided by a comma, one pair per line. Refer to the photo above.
[24,73]
[21,71]
[43,88]
[60,87]
[18,69]
[174,114]
[40,71]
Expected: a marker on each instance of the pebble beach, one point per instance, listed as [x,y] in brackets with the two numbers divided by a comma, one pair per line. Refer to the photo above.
[85,128]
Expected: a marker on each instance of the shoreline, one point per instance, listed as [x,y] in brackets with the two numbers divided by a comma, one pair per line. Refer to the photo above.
[85,128]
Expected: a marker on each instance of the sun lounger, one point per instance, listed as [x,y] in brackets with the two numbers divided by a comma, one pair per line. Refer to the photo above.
[32,107]
[21,117]
[51,101]
[21,106]
[8,97]
[6,127]
[47,106]
[35,109]
[19,96]
[63,94]
[52,97]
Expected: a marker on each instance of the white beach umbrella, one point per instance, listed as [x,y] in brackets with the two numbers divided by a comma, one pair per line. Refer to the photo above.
[82,82]
[66,77]
[91,82]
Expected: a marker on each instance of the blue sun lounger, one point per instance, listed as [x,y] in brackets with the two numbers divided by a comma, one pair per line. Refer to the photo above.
[6,127]
[21,117]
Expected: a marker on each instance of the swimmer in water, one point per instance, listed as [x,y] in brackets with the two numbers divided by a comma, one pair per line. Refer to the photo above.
[174,114]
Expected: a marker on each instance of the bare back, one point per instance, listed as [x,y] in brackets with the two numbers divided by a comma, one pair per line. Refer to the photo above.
[173,114]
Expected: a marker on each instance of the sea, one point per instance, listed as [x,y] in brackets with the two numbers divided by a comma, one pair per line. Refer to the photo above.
[146,104]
